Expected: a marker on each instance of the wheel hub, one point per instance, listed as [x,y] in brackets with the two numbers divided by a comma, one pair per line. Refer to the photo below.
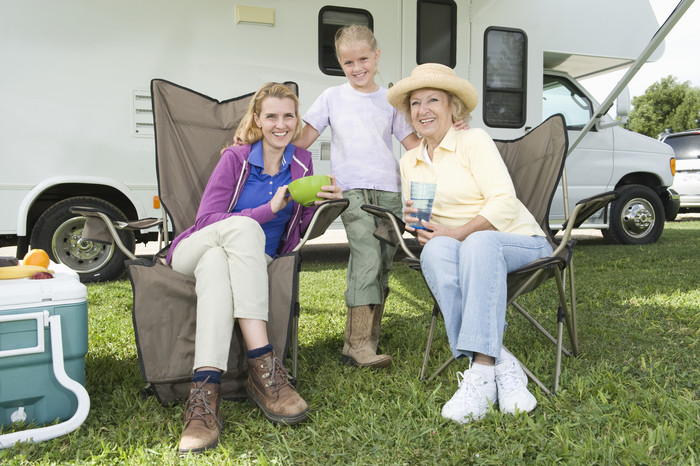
[638,218]
[79,254]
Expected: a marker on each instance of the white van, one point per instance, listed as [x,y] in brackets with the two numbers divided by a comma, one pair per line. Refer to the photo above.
[76,126]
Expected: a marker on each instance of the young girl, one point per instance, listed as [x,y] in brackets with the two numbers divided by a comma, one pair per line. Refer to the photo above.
[362,123]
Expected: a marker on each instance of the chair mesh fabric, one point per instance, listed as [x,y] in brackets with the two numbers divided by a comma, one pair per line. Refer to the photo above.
[191,130]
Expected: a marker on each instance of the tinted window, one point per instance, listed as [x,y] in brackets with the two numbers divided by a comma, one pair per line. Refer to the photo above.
[437,32]
[560,96]
[330,19]
[505,56]
[685,147]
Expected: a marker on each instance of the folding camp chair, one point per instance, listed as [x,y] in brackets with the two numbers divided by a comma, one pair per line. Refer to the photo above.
[535,163]
[190,131]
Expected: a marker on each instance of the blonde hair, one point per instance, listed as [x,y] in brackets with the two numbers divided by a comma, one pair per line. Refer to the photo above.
[247,130]
[352,34]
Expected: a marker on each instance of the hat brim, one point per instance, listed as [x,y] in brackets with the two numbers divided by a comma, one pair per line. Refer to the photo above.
[463,89]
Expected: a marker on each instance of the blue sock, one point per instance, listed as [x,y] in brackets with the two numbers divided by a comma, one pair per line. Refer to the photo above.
[201,376]
[258,352]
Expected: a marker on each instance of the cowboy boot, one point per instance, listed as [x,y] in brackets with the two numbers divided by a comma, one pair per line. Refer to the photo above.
[377,322]
[202,418]
[357,350]
[269,388]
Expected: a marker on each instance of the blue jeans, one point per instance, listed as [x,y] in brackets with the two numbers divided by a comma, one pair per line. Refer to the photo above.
[468,280]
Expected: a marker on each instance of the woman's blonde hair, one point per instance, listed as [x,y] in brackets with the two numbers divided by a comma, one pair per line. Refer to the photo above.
[352,34]
[247,130]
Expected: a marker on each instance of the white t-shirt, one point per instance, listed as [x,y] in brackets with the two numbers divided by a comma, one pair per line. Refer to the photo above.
[362,155]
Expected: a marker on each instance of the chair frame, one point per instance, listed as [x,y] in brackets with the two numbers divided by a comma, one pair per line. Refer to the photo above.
[556,264]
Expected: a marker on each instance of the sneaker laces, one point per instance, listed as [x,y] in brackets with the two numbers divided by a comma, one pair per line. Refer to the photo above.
[510,377]
[467,387]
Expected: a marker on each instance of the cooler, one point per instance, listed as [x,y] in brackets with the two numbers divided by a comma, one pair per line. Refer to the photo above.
[43,343]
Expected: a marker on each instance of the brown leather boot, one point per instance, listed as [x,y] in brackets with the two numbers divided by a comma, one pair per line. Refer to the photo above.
[357,350]
[269,388]
[202,418]
[377,322]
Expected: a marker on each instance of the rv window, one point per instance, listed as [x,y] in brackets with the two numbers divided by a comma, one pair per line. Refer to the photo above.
[505,56]
[437,32]
[560,96]
[330,19]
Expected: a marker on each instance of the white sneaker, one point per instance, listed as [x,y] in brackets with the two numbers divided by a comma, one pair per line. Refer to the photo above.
[511,380]
[471,400]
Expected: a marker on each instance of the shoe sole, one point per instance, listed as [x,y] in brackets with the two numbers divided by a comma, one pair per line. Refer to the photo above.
[183,453]
[350,361]
[277,418]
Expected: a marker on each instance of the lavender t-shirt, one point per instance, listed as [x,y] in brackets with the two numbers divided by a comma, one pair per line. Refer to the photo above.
[362,155]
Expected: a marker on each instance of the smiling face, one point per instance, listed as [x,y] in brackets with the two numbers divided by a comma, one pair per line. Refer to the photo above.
[431,114]
[359,63]
[277,120]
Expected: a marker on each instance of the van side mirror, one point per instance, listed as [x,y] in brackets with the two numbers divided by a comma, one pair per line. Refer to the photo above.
[624,105]
[622,108]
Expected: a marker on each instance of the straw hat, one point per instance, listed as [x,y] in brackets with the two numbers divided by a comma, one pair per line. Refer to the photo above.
[433,76]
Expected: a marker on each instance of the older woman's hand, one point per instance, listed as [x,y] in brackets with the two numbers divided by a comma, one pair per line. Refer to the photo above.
[330,192]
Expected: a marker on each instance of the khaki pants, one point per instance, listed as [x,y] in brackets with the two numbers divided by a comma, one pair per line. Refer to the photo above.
[370,259]
[229,263]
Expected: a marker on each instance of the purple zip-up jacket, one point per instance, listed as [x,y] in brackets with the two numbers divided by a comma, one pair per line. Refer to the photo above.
[224,188]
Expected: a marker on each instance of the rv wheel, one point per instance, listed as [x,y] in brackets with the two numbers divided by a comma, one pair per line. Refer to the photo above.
[59,233]
[636,217]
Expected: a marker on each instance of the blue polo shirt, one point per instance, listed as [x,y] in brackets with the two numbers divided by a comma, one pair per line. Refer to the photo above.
[259,189]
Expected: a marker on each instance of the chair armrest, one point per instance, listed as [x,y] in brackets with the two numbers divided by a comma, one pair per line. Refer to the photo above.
[324,215]
[587,207]
[391,229]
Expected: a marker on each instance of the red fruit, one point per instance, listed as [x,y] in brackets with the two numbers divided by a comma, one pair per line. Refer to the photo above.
[41,276]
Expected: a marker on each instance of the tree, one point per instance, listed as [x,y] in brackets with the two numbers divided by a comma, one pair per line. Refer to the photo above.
[666,105]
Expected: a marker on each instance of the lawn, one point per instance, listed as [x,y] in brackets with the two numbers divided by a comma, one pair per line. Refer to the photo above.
[631,397]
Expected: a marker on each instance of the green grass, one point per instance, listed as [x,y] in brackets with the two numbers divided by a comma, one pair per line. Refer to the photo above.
[631,397]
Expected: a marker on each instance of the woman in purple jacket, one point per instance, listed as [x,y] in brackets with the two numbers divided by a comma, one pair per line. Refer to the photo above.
[245,219]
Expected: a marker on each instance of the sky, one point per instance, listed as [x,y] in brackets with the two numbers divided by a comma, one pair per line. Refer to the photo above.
[680,56]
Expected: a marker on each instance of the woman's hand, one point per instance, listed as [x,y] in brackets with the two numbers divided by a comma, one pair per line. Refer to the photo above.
[280,200]
[407,217]
[431,229]
[329,192]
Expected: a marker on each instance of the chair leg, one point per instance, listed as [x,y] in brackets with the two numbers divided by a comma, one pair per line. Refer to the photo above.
[537,381]
[573,335]
[560,337]
[429,344]
[442,368]
[295,344]
[538,326]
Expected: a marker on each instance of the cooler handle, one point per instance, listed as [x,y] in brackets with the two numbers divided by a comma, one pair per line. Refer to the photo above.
[42,320]
[45,433]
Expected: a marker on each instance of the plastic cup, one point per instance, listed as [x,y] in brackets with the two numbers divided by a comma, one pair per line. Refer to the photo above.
[422,195]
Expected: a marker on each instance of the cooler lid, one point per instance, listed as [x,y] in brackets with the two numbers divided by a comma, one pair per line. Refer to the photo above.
[64,287]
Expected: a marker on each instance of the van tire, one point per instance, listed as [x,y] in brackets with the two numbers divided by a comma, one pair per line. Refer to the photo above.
[636,216]
[58,232]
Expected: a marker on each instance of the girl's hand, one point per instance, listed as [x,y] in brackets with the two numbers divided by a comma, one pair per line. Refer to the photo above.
[461,124]
[280,200]
[331,191]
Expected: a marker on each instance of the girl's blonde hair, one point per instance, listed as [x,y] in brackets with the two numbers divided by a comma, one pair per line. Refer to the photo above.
[247,130]
[352,34]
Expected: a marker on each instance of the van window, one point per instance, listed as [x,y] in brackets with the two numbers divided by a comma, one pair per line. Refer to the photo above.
[437,32]
[560,96]
[330,19]
[505,55]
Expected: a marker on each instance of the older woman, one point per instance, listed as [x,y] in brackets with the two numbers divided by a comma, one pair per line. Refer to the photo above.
[478,232]
[245,219]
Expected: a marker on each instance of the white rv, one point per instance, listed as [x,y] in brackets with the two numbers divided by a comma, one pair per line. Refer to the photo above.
[76,128]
